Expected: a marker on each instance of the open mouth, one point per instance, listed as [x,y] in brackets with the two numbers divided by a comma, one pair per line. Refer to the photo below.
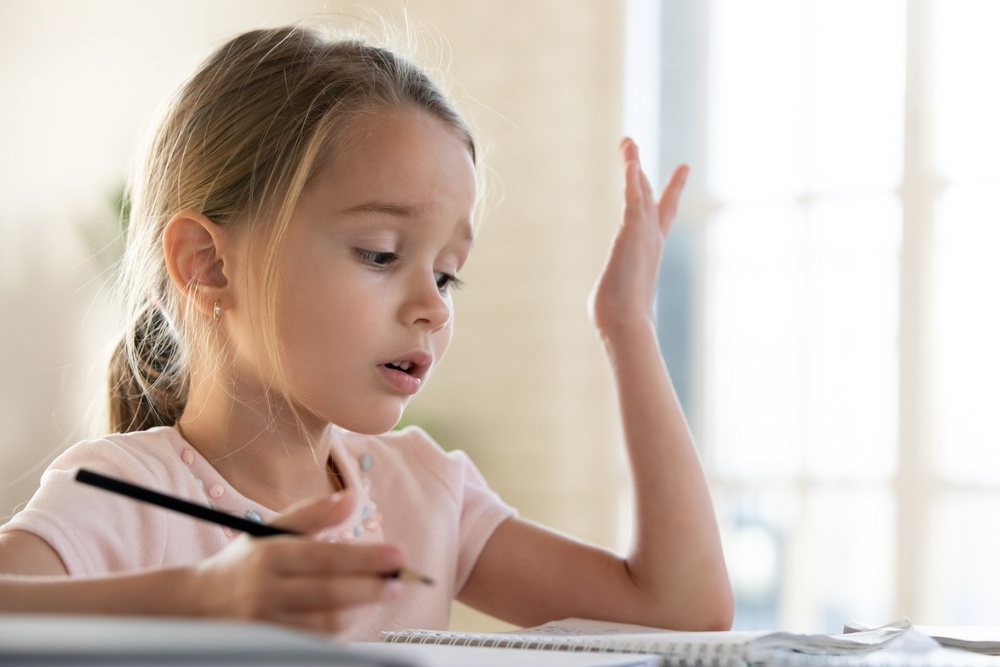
[407,367]
[407,372]
[414,363]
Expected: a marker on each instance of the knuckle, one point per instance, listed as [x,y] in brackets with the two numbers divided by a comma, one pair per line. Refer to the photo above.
[264,556]
[258,608]
[335,594]
[259,598]
[346,593]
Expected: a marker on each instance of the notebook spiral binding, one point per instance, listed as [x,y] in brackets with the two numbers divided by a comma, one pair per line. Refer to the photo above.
[676,654]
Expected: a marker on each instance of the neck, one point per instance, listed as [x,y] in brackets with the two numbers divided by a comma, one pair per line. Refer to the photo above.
[265,454]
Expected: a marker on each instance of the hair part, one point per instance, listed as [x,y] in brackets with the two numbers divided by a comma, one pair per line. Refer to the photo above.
[239,143]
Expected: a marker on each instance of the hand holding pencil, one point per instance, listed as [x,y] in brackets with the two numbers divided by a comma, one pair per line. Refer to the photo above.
[284,579]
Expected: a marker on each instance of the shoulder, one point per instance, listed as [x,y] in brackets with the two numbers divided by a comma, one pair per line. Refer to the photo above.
[96,532]
[142,455]
[411,446]
[410,458]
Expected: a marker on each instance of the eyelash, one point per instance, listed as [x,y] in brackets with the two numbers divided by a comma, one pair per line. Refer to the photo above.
[383,260]
[450,282]
[376,258]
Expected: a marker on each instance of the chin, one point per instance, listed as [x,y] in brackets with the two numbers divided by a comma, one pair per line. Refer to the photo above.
[371,424]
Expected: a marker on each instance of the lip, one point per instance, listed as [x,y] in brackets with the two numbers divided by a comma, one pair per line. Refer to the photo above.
[407,382]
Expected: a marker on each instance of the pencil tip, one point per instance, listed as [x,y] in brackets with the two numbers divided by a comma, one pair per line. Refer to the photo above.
[406,574]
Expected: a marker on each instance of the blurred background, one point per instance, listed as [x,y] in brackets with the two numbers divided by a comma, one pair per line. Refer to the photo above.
[827,304]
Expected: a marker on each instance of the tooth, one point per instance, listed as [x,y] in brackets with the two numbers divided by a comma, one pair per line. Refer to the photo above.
[405,365]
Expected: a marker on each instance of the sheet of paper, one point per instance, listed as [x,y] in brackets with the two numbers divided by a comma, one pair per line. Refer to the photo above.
[444,655]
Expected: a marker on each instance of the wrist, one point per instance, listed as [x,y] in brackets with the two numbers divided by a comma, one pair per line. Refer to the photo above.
[173,591]
[191,597]
[624,330]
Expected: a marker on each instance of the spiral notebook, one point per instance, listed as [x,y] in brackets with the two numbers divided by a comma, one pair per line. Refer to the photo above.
[983,639]
[711,649]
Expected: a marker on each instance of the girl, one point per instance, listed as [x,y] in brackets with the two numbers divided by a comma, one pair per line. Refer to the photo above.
[295,234]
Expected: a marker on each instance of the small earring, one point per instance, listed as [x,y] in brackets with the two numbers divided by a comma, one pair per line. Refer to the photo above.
[217,311]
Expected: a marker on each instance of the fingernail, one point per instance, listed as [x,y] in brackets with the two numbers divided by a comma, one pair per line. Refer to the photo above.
[392,589]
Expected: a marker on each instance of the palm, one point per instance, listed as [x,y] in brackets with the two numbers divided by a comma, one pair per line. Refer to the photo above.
[624,291]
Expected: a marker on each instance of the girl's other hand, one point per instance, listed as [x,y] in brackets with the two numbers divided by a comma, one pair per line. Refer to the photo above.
[623,294]
[295,580]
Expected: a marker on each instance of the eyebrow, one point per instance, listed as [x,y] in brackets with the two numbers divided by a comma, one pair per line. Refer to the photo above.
[400,211]
[385,208]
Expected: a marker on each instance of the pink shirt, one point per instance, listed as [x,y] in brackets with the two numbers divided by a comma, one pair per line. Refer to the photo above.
[434,504]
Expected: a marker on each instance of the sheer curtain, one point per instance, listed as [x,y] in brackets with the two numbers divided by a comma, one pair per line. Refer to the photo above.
[829,303]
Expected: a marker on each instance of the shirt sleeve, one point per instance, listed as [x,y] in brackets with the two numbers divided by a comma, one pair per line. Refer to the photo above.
[449,498]
[93,531]
[482,511]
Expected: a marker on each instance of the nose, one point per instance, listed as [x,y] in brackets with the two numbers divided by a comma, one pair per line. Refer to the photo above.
[425,304]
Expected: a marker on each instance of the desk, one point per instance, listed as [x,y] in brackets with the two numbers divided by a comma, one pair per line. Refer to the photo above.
[43,639]
[52,639]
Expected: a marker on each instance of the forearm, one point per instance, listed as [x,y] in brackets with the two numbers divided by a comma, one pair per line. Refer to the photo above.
[165,592]
[674,575]
[675,559]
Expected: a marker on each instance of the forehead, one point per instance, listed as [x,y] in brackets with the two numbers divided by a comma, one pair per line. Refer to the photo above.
[402,157]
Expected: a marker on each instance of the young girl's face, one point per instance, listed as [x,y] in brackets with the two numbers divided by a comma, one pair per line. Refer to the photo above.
[364,302]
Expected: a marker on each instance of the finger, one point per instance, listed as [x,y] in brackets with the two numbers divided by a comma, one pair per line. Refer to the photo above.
[295,556]
[633,185]
[670,199]
[638,190]
[318,594]
[319,623]
[629,149]
[326,622]
[315,514]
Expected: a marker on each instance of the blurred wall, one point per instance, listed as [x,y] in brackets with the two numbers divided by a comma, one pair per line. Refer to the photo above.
[525,389]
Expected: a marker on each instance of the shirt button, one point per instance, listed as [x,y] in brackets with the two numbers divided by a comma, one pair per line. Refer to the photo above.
[187,456]
[215,490]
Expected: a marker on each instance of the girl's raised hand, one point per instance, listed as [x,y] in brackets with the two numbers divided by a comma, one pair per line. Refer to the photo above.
[623,294]
[299,581]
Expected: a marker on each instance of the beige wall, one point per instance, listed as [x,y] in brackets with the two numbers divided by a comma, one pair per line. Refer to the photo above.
[524,389]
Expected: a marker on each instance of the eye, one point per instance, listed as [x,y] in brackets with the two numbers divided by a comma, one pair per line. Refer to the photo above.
[376,258]
[446,282]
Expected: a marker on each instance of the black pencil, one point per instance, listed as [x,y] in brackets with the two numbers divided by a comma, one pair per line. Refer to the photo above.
[208,514]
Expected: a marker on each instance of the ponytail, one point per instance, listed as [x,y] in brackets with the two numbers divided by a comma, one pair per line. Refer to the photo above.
[147,381]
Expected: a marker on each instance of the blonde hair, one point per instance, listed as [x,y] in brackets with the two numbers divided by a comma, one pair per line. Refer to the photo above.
[238,144]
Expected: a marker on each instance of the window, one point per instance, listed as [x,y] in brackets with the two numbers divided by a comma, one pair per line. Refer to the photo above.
[828,304]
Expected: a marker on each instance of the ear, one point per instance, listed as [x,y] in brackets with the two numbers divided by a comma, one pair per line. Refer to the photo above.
[193,250]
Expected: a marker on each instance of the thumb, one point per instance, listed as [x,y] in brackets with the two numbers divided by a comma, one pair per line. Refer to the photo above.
[671,197]
[314,514]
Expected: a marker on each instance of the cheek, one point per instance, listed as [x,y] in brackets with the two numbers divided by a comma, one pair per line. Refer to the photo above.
[314,296]
[442,339]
